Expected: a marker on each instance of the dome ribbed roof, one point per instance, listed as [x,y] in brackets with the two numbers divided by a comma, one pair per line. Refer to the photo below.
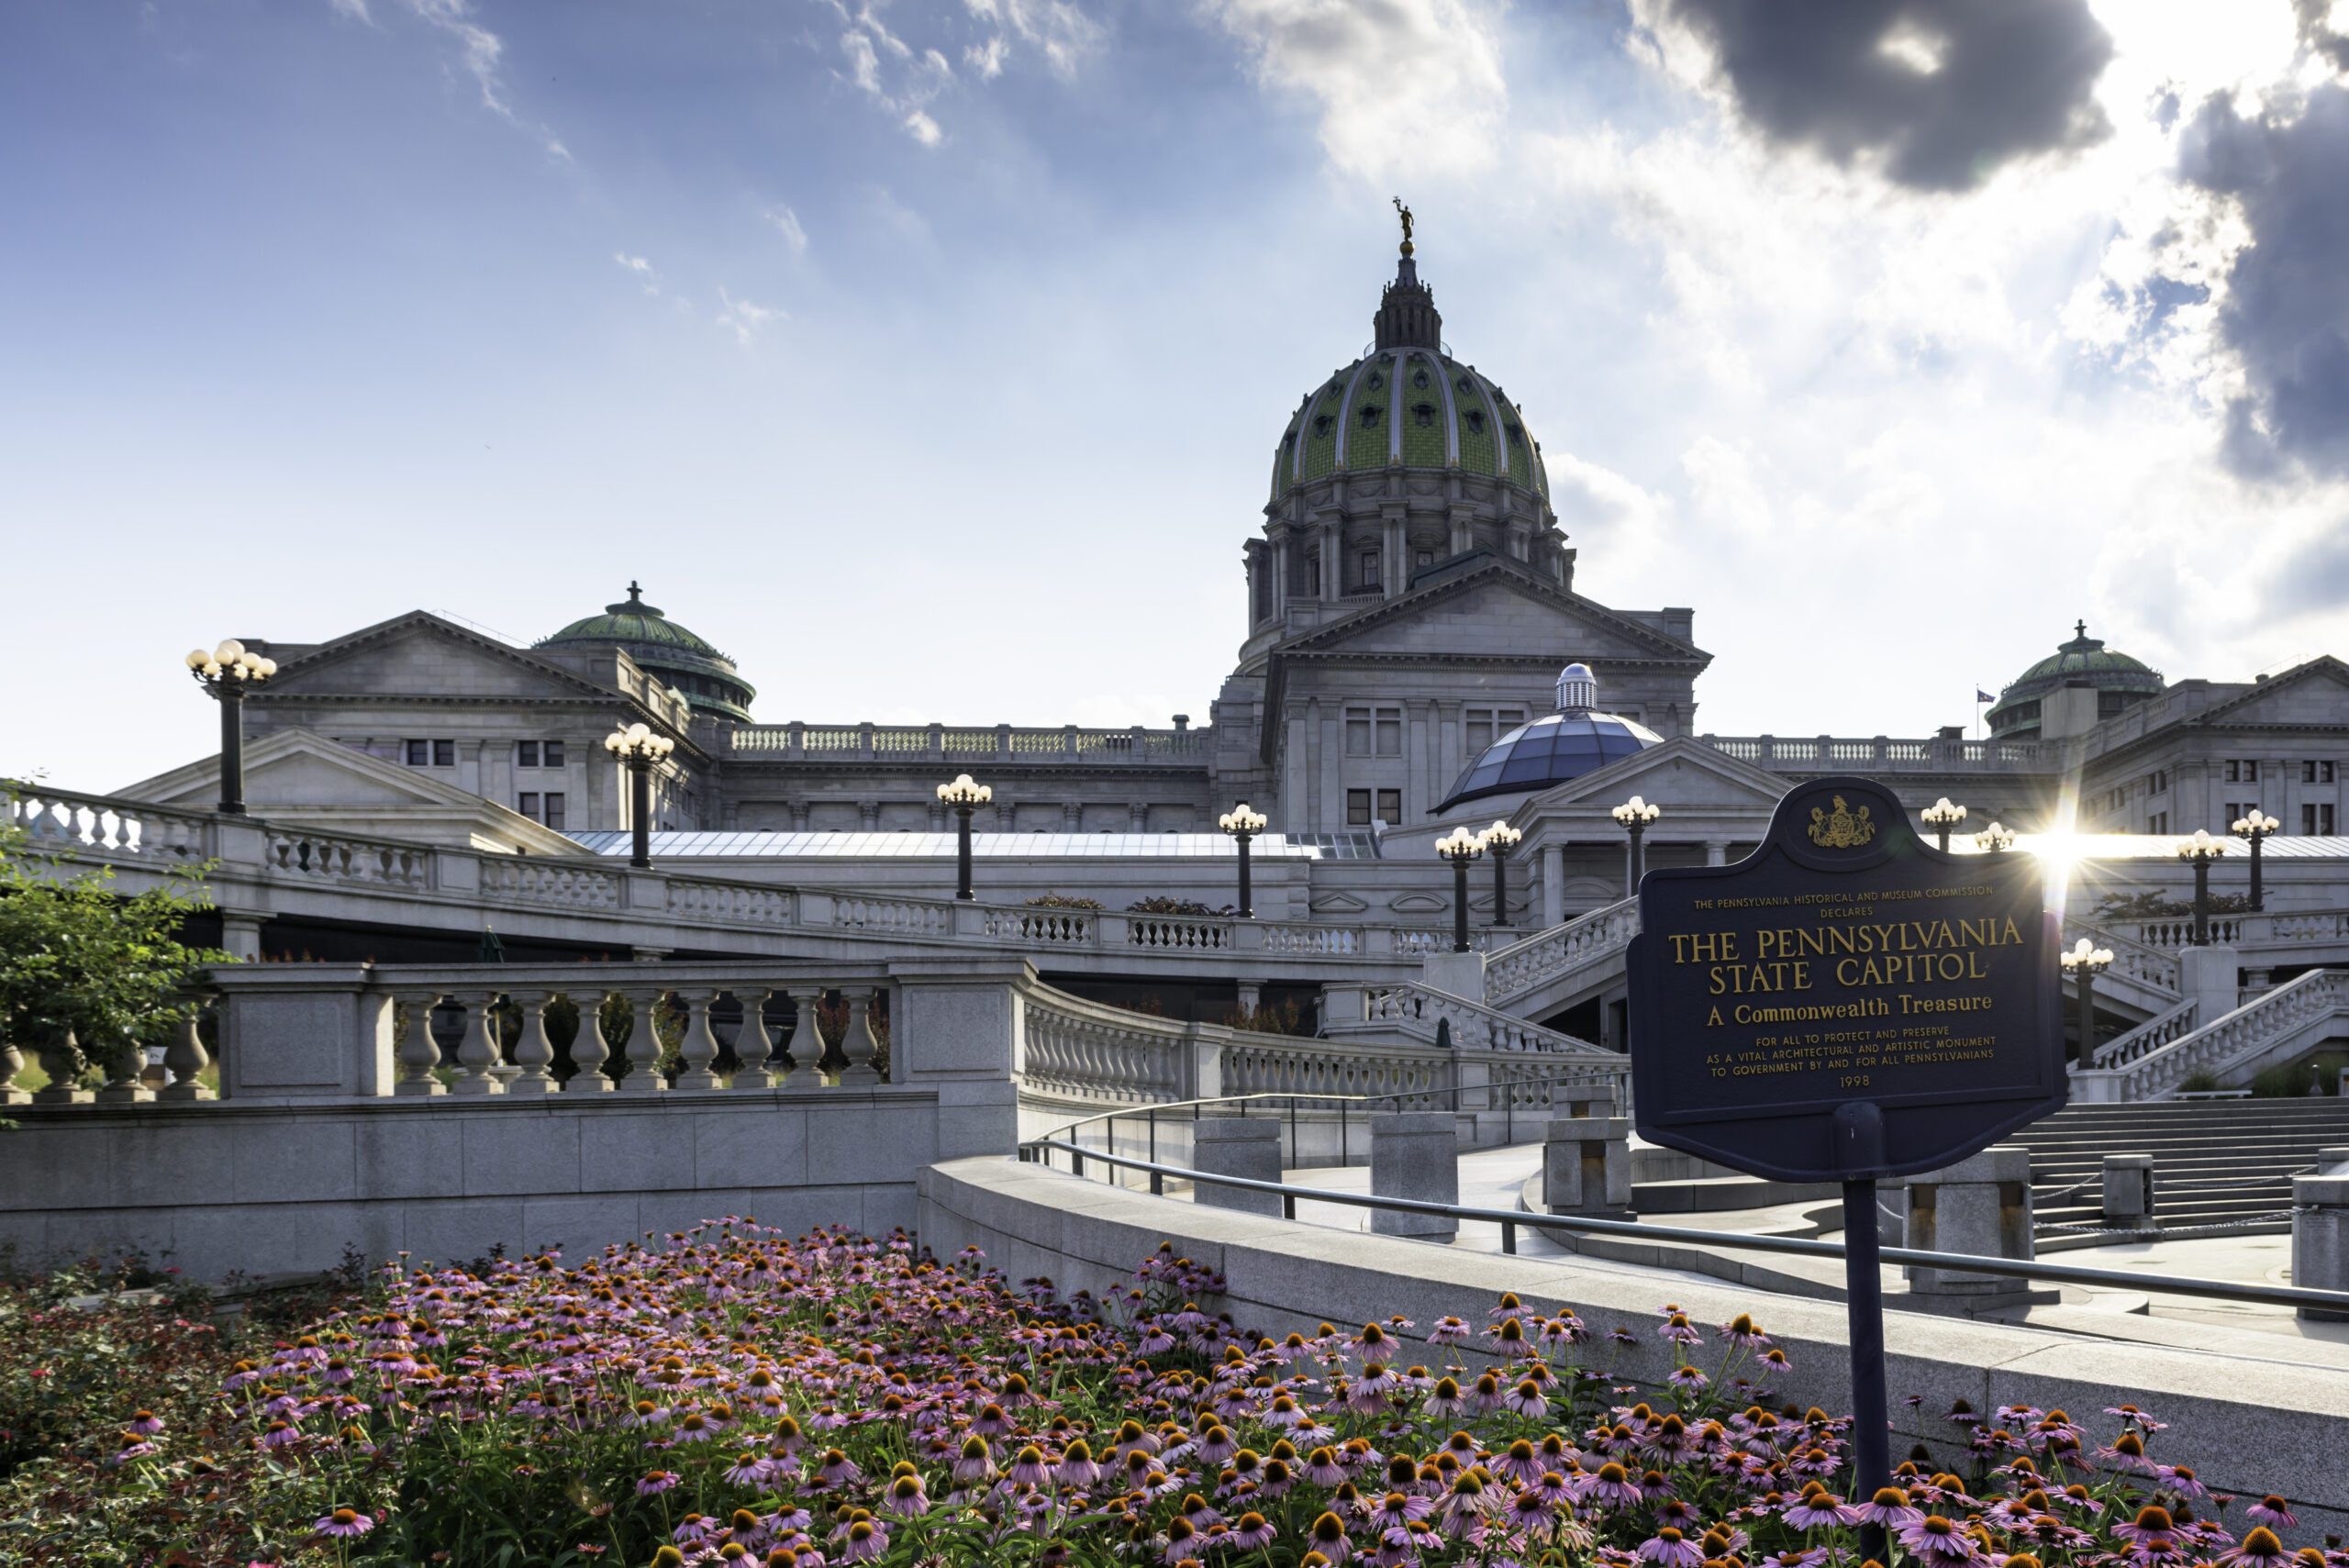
[1408,402]
[1567,744]
[2085,658]
[665,650]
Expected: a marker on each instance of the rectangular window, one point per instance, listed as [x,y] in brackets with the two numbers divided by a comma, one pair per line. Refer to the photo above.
[1357,809]
[1357,732]
[2308,819]
[2160,781]
[1370,569]
[526,754]
[2251,771]
[1313,576]
[529,805]
[554,810]
[2325,772]
[444,753]
[1479,732]
[2233,811]
[2234,772]
[419,754]
[1423,558]
[1390,732]
[2307,772]
[1390,808]
[552,752]
[2324,820]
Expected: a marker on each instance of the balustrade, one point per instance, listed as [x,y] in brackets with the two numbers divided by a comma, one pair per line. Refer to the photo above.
[1585,939]
[323,857]
[107,828]
[541,881]
[1171,931]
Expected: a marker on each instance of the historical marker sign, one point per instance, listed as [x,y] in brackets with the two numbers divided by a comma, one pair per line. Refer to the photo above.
[1848,1002]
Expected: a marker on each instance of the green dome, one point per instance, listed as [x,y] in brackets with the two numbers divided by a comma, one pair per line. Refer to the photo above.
[2118,680]
[1408,404]
[667,652]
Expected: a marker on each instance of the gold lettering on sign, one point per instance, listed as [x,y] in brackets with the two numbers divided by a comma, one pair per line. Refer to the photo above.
[1844,830]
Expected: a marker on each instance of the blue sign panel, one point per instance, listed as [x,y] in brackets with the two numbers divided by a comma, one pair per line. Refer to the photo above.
[1848,1002]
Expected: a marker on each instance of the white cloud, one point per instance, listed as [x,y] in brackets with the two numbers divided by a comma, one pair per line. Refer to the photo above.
[480,50]
[987,60]
[787,222]
[892,71]
[354,9]
[642,268]
[1058,30]
[922,128]
[745,318]
[1405,87]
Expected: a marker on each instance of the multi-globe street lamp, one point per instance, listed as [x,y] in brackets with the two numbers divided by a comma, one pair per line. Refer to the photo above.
[636,745]
[1941,816]
[1459,846]
[1995,839]
[1497,840]
[2254,829]
[964,796]
[1243,824]
[2084,961]
[227,673]
[1636,814]
[2200,851]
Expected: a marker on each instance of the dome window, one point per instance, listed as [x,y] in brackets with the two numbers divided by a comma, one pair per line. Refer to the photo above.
[1517,435]
[1419,380]
[1465,385]
[1376,381]
[1370,413]
[1322,424]
[1476,420]
[1423,412]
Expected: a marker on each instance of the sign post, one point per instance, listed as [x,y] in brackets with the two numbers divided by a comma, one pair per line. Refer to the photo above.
[1847,1003]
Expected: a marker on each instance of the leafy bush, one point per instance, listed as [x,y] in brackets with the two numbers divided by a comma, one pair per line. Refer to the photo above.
[2200,1083]
[736,1397]
[1060,901]
[1161,904]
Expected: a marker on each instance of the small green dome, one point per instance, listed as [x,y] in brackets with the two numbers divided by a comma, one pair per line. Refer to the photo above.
[2119,682]
[666,651]
[1408,404]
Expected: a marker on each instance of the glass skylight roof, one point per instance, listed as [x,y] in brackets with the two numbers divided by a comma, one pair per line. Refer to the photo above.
[1551,750]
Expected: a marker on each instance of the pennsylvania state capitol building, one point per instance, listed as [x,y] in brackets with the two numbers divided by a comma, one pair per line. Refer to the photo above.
[1415,656]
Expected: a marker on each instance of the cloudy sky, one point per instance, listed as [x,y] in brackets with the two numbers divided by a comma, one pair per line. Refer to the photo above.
[928,358]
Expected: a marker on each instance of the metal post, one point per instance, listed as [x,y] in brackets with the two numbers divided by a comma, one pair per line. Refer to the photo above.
[2201,901]
[1288,1205]
[962,854]
[2259,897]
[1941,833]
[2087,1016]
[1509,1236]
[1639,867]
[1158,1184]
[1247,897]
[640,776]
[231,694]
[1863,1298]
[1460,903]
[1500,883]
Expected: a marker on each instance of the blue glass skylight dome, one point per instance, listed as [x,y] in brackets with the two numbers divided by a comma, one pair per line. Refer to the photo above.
[1575,741]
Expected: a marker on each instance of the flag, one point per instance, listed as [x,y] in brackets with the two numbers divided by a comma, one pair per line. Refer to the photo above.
[1981,695]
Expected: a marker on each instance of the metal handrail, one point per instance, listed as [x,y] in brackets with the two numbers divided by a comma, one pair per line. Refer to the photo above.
[1150,1112]
[1509,1219]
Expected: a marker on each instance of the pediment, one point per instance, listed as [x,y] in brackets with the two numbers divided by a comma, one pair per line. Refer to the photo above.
[1498,610]
[2316,693]
[1338,903]
[419,654]
[1417,904]
[296,768]
[1684,773]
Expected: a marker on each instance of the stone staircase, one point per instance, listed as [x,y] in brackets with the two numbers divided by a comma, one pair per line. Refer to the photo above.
[2218,1164]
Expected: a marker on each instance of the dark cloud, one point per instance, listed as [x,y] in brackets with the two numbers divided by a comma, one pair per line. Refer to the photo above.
[2011,78]
[2316,31]
[2286,307]
[2316,576]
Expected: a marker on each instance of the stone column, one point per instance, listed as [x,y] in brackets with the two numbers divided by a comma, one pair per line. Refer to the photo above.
[806,1047]
[589,1048]
[2129,1193]
[1250,996]
[1587,1164]
[1237,1146]
[419,1052]
[1717,851]
[478,1052]
[241,934]
[857,1044]
[754,1051]
[698,1050]
[643,1045]
[1137,816]
[2321,1239]
[1554,882]
[1415,1154]
[1982,1206]
[533,1053]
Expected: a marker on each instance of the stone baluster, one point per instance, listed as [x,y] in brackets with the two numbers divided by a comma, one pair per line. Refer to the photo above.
[644,1046]
[419,1053]
[182,1059]
[589,1050]
[755,1051]
[806,1047]
[700,1048]
[533,1053]
[123,1086]
[56,1059]
[857,1044]
[12,1061]
[478,1052]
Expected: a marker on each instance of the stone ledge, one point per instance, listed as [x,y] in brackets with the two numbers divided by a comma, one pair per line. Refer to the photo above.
[2245,1425]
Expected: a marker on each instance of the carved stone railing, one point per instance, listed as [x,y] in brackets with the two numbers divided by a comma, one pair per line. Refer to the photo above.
[1185,748]
[2146,1037]
[1197,933]
[1413,1011]
[2279,1020]
[1596,937]
[2173,932]
[691,898]
[103,827]
[1073,1049]
[1042,927]
[2155,968]
[1877,753]
[544,881]
[296,853]
[904,917]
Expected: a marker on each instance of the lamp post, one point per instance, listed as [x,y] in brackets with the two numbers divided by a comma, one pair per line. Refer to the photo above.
[1635,814]
[1995,839]
[1941,816]
[227,673]
[964,796]
[1459,846]
[1497,839]
[1243,825]
[2200,851]
[638,747]
[2083,961]
[2254,829]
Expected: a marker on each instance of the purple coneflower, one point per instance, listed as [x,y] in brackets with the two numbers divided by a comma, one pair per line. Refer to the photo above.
[1448,1331]
[133,1446]
[1889,1508]
[866,1541]
[2152,1523]
[1029,1467]
[1810,1559]
[1938,1543]
[279,1434]
[1686,1379]
[1679,1331]
[1613,1488]
[347,1524]
[2260,1549]
[906,1498]
[1252,1533]
[1076,1467]
[1669,1548]
[2181,1479]
[991,1421]
[1328,1539]
[976,1463]
[1527,1399]
[2272,1511]
[655,1482]
[146,1421]
[1741,1331]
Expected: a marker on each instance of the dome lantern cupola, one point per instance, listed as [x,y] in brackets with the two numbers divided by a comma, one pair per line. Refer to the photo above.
[667,652]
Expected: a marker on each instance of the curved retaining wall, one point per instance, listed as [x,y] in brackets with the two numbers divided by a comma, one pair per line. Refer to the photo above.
[2247,1426]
